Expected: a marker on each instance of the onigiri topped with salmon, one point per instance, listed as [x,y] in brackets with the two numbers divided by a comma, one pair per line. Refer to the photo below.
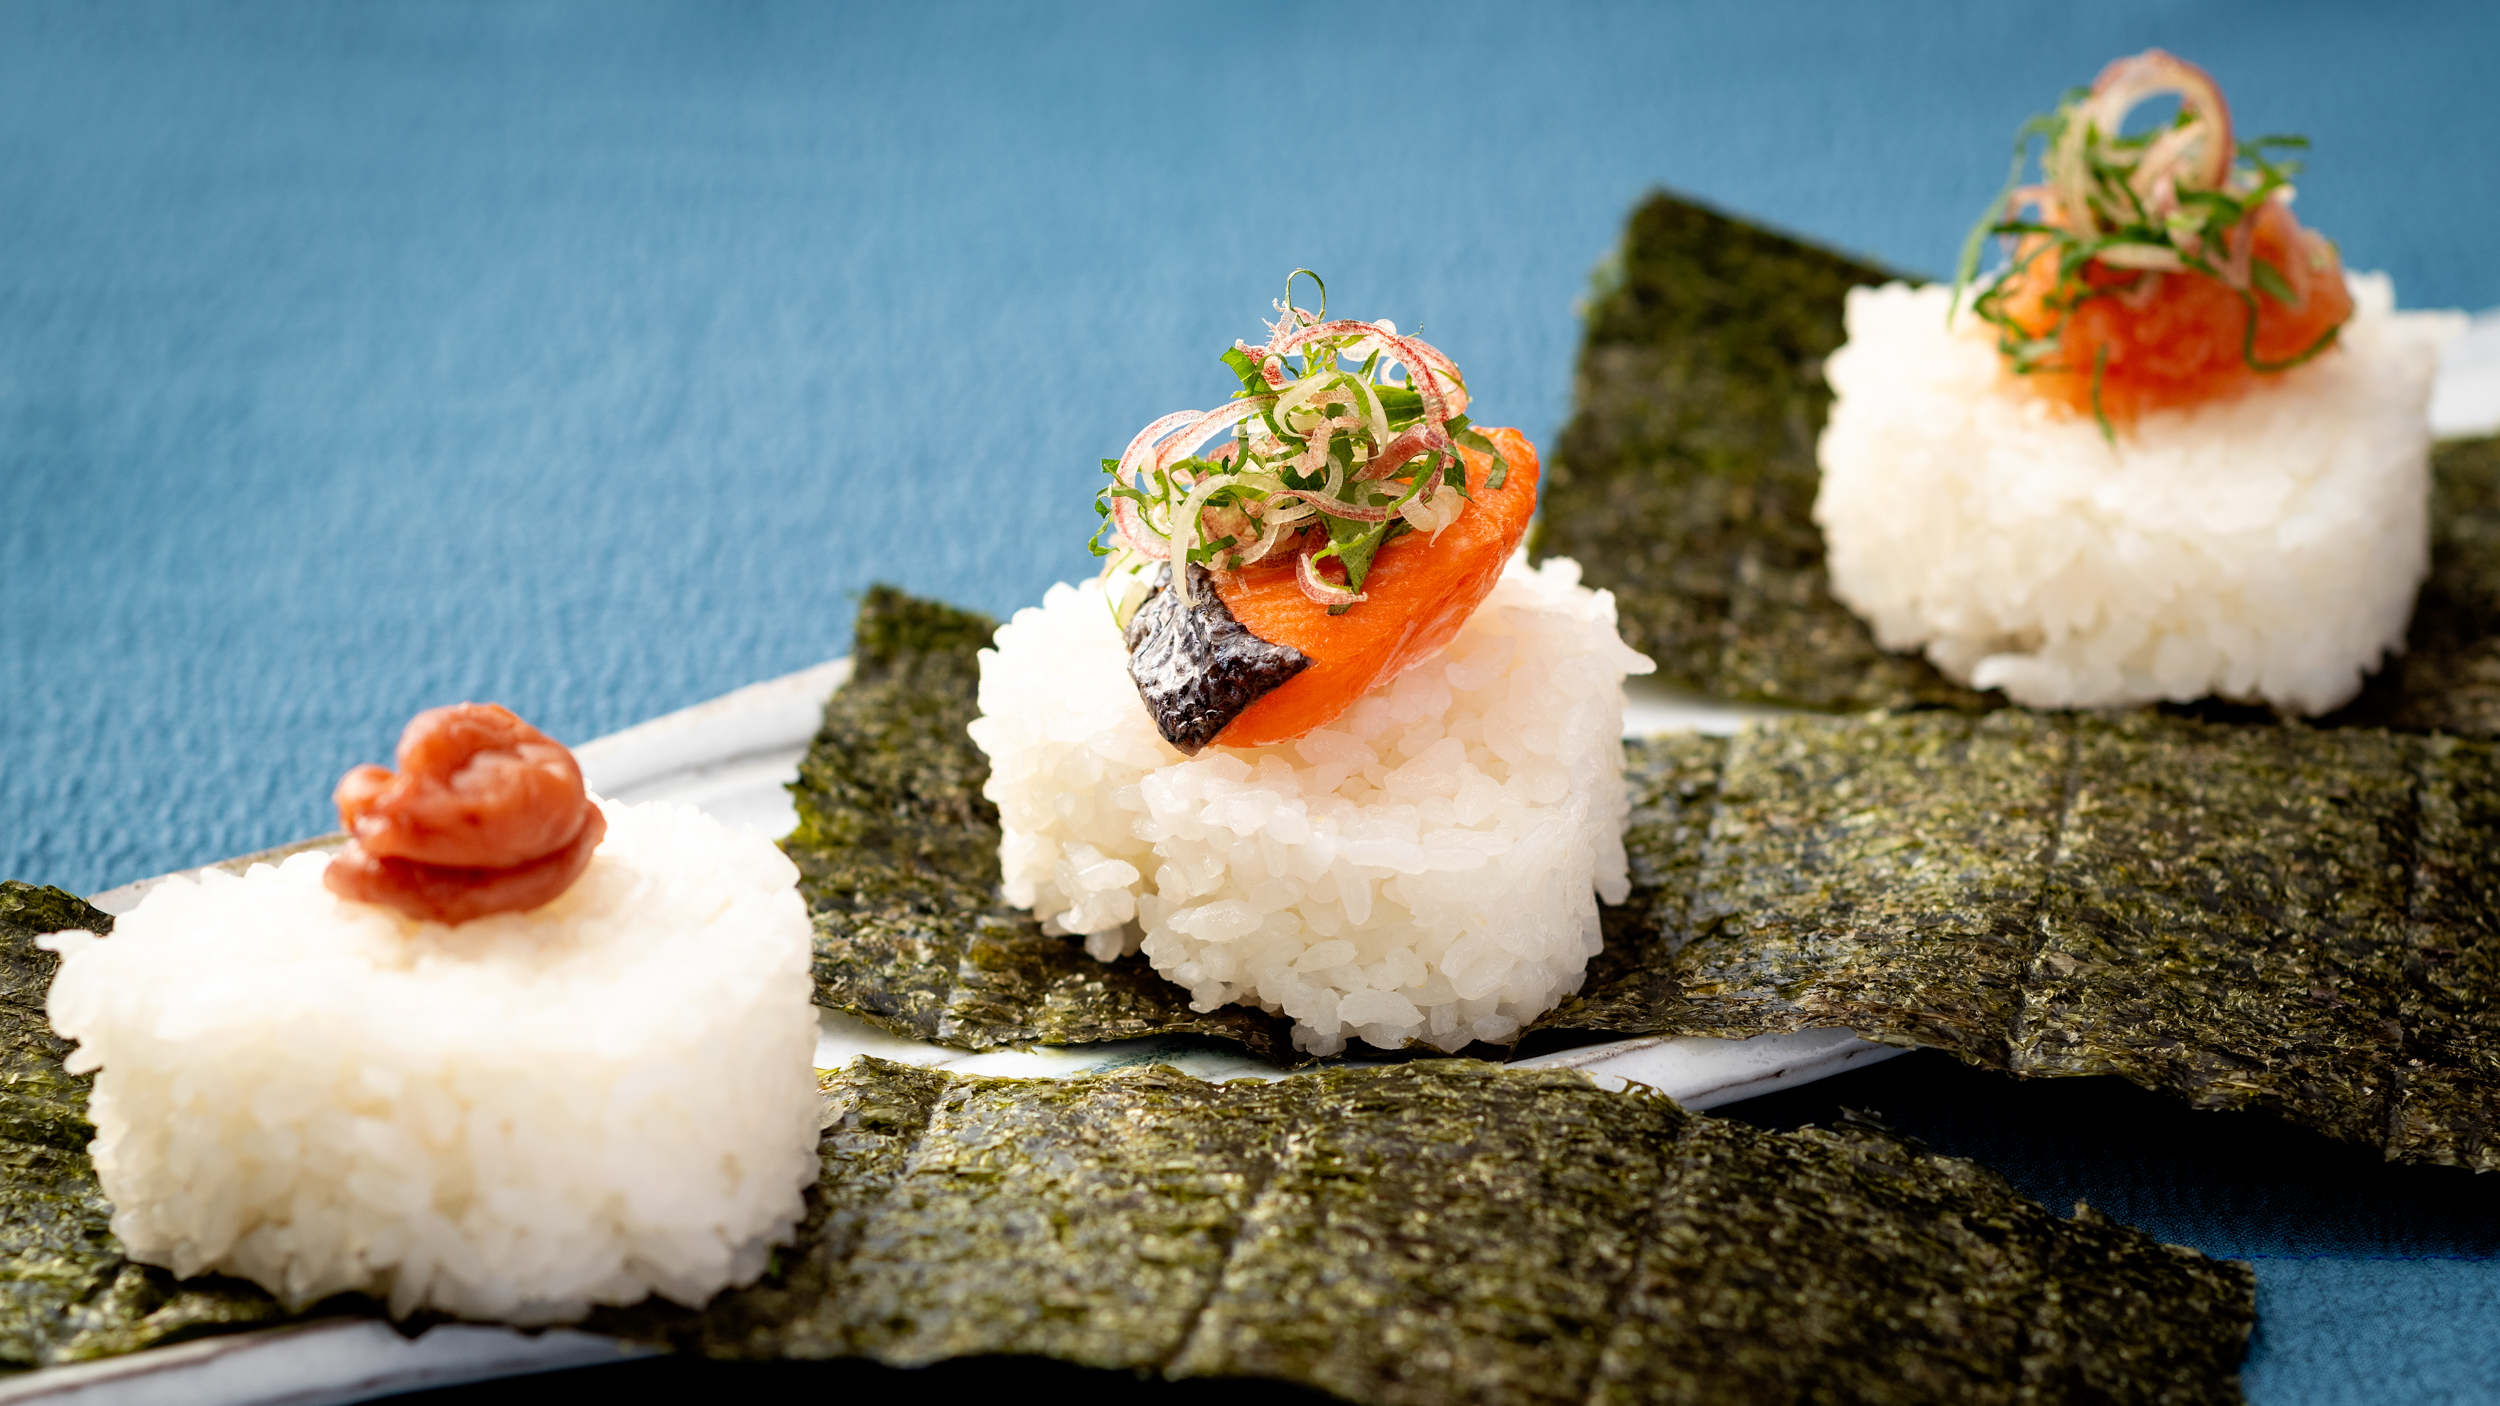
[1318,739]
[2169,449]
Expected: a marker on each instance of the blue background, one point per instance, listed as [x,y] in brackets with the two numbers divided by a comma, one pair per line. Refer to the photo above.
[359,358]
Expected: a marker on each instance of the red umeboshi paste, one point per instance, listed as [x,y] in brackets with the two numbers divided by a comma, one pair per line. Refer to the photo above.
[485,815]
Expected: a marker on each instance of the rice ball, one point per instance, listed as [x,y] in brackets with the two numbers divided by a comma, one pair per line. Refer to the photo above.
[2260,548]
[1425,868]
[514,1119]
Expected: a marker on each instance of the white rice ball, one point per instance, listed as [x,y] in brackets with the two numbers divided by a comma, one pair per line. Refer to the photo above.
[1425,868]
[513,1119]
[2264,547]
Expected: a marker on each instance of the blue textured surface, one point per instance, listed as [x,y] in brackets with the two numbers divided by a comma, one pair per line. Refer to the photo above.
[355,359]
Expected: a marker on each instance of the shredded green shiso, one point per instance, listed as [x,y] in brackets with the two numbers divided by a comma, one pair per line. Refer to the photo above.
[2176,200]
[1330,458]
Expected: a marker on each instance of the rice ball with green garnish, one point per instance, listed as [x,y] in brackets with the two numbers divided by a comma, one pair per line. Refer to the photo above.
[1426,869]
[2263,547]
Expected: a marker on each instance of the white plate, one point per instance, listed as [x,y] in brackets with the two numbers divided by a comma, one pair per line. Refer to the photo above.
[2465,400]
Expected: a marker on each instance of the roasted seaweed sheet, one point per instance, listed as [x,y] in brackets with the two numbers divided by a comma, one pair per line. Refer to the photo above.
[2301,920]
[1685,484]
[898,859]
[1425,1233]
[1449,1231]
[67,1293]
[2448,679]
[1684,481]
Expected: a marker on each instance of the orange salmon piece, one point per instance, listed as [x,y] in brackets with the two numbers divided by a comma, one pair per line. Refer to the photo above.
[2180,343]
[1419,591]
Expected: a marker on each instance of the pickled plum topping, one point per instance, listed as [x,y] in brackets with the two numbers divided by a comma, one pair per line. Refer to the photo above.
[485,815]
[2156,271]
[476,786]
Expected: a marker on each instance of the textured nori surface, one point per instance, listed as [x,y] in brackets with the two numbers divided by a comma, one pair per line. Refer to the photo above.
[2299,919]
[898,859]
[2247,916]
[67,1293]
[2448,679]
[1685,484]
[1685,479]
[1425,1233]
[1196,666]
[1448,1231]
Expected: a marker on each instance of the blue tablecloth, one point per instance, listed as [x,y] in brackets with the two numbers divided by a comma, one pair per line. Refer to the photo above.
[590,357]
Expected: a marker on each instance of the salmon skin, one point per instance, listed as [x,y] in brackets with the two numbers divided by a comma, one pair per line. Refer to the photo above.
[1421,590]
[1259,662]
[1196,666]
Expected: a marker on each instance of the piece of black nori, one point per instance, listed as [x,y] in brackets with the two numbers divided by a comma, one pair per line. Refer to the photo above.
[1806,874]
[2216,914]
[1685,484]
[1631,985]
[1987,1296]
[1417,1234]
[898,859]
[1021,1194]
[1851,870]
[1196,666]
[1476,1223]
[896,849]
[2443,1108]
[2448,678]
[2245,916]
[67,1293]
[2291,918]
[1685,479]
[1450,1231]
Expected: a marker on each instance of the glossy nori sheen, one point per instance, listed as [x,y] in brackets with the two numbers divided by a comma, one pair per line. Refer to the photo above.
[1685,484]
[1196,666]
[898,860]
[2247,916]
[1449,1231]
[67,1293]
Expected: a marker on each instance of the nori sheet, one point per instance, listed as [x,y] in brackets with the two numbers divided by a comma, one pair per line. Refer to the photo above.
[1446,1231]
[898,859]
[2448,679]
[2280,917]
[1685,482]
[1416,1234]
[2293,918]
[67,1293]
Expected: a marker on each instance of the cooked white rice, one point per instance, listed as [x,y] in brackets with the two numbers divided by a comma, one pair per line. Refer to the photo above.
[1426,868]
[513,1119]
[2260,548]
